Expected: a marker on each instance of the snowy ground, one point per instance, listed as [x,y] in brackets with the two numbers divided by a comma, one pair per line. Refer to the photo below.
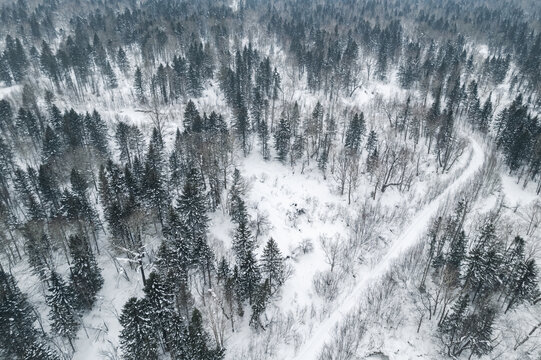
[407,238]
[303,321]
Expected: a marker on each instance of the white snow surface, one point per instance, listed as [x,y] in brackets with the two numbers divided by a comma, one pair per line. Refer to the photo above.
[407,238]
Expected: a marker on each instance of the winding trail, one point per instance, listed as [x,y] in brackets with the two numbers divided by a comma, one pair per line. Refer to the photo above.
[408,237]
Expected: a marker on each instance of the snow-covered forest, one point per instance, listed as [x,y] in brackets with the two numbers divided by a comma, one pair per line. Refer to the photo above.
[270,179]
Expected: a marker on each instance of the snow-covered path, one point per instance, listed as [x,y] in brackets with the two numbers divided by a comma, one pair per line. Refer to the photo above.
[407,238]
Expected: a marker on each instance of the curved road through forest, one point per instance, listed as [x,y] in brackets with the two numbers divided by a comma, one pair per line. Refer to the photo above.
[311,349]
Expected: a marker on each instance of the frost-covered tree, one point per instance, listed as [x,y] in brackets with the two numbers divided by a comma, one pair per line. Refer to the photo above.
[244,246]
[160,303]
[282,138]
[85,275]
[139,86]
[40,351]
[138,338]
[355,131]
[197,341]
[260,304]
[17,318]
[272,265]
[63,315]
[235,196]
[192,210]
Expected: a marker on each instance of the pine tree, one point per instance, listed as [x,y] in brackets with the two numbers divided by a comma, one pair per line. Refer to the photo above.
[5,74]
[452,325]
[6,116]
[485,116]
[483,263]
[52,146]
[138,86]
[276,89]
[244,246]
[354,133]
[223,272]
[236,192]
[197,341]
[17,318]
[282,138]
[177,166]
[85,276]
[73,129]
[480,328]
[372,141]
[48,62]
[260,304]
[263,133]
[161,303]
[524,286]
[28,195]
[272,264]
[176,337]
[97,133]
[176,251]
[153,181]
[123,139]
[110,76]
[297,149]
[191,116]
[40,351]
[27,125]
[138,338]
[61,300]
[192,209]
[241,123]
[38,248]
[122,61]
[76,203]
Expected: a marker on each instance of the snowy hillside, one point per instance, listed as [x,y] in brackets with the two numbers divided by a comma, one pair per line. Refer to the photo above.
[257,179]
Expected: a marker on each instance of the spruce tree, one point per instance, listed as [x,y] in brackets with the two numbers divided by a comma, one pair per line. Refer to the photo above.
[260,304]
[17,318]
[354,133]
[85,276]
[48,62]
[451,327]
[272,264]
[176,337]
[241,123]
[52,146]
[39,251]
[40,351]
[237,191]
[480,327]
[110,77]
[197,340]
[138,86]
[97,133]
[160,301]
[63,316]
[372,141]
[153,181]
[122,61]
[177,166]
[263,133]
[282,139]
[138,339]
[192,209]
[28,196]
[244,248]
[191,116]
[524,286]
